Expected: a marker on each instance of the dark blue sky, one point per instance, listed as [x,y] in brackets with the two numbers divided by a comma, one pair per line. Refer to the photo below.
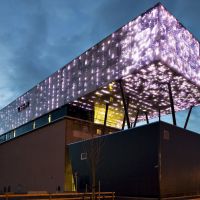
[37,37]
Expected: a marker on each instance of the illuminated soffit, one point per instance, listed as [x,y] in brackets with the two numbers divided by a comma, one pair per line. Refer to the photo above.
[147,53]
[156,50]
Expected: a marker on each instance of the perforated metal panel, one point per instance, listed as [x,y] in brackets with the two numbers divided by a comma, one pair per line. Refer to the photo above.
[155,35]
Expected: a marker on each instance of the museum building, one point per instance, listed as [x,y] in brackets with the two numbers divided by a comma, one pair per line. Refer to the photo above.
[87,112]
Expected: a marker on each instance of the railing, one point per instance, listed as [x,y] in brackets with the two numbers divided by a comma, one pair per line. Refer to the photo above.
[59,196]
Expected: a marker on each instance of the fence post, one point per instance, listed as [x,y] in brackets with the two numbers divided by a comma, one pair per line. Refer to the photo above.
[112,195]
[99,189]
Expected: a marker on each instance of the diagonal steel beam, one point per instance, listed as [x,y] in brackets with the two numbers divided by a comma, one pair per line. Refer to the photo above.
[124,103]
[147,119]
[188,116]
[105,118]
[172,104]
[124,120]
[136,117]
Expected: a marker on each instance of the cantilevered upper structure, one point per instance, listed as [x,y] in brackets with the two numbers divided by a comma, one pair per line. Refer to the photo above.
[147,54]
[149,67]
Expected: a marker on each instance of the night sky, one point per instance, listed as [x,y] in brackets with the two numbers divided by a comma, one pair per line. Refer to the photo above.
[37,37]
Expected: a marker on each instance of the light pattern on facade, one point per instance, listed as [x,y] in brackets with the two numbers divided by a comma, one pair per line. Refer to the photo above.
[148,52]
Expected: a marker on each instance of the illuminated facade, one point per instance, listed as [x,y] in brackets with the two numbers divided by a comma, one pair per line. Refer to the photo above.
[147,53]
[149,67]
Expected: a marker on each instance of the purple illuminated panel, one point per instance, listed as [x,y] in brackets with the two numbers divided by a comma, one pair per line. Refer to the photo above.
[155,35]
[178,48]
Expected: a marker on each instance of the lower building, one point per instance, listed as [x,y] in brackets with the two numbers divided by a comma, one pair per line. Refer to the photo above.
[155,160]
[39,160]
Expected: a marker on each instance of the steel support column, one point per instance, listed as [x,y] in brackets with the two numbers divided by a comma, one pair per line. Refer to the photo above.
[105,118]
[159,116]
[136,117]
[172,104]
[188,116]
[123,124]
[124,103]
[124,120]
[147,119]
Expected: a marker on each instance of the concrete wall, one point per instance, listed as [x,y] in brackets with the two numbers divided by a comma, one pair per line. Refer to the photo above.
[34,161]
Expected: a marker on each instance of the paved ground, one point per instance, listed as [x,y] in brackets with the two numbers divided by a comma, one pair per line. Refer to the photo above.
[171,198]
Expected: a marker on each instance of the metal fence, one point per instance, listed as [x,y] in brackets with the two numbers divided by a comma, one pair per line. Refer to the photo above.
[58,196]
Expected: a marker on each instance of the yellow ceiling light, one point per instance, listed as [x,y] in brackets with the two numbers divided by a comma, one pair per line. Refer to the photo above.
[114,117]
[110,86]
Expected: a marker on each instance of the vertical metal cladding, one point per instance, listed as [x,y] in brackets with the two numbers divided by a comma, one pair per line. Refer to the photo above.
[128,162]
[155,160]
[180,168]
